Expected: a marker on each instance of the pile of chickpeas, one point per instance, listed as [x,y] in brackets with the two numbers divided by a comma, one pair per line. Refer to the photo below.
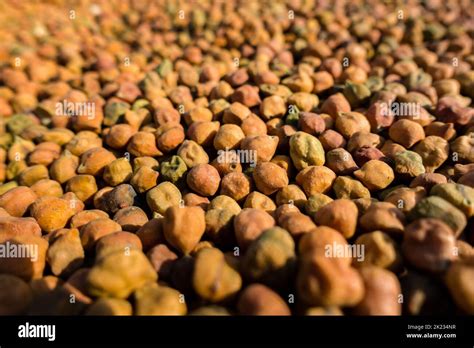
[236,157]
